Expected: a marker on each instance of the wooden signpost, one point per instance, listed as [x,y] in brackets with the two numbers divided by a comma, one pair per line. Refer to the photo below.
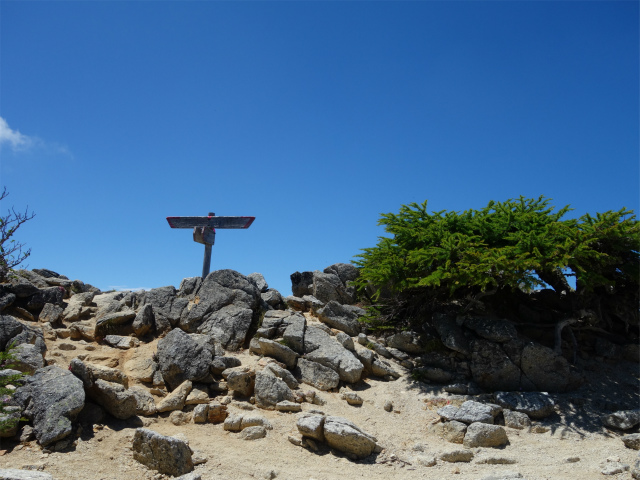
[204,231]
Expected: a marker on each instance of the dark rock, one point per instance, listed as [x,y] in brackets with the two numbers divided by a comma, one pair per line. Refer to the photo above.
[345,272]
[450,333]
[183,356]
[143,321]
[534,404]
[325,350]
[547,370]
[492,368]
[328,287]
[6,300]
[272,298]
[53,295]
[470,412]
[115,323]
[492,329]
[27,358]
[14,332]
[302,284]
[51,398]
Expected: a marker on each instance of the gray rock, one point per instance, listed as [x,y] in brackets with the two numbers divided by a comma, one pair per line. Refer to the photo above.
[77,306]
[240,382]
[253,433]
[450,333]
[454,431]
[632,441]
[294,332]
[144,321]
[614,468]
[296,303]
[302,283]
[380,368]
[283,374]
[457,456]
[342,317]
[346,341]
[325,350]
[51,398]
[535,404]
[6,300]
[623,419]
[504,476]
[278,351]
[50,314]
[312,303]
[167,306]
[115,398]
[270,390]
[345,436]
[311,426]
[14,332]
[16,474]
[345,271]
[517,420]
[273,298]
[176,399]
[258,280]
[229,326]
[145,403]
[167,455]
[225,308]
[352,398]
[115,323]
[635,469]
[494,330]
[201,413]
[183,356]
[288,407]
[27,358]
[547,370]
[37,301]
[470,412]
[220,364]
[327,287]
[317,375]
[118,341]
[189,286]
[492,368]
[484,435]
[434,374]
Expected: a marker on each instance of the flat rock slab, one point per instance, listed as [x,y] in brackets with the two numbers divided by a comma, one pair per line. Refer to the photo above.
[167,455]
[470,412]
[16,474]
[534,404]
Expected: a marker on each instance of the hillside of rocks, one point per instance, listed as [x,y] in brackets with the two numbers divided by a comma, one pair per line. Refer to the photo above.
[223,378]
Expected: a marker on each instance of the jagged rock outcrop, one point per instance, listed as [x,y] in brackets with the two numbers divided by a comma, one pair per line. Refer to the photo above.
[183,356]
[51,398]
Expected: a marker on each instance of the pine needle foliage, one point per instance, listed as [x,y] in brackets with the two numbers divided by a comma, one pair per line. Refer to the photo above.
[513,246]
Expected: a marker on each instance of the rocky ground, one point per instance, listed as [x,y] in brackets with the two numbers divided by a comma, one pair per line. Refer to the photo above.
[158,361]
[570,444]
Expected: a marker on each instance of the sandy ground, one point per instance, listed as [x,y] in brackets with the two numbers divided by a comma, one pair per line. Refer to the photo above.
[410,434]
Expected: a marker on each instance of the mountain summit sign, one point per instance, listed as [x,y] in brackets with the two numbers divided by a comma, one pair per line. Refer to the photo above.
[204,231]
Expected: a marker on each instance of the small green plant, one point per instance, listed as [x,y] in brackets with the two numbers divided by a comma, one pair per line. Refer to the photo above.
[7,421]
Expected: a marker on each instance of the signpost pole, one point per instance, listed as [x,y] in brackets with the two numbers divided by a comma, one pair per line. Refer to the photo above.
[206,264]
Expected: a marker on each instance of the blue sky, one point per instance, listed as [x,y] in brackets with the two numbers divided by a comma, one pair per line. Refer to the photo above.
[314,117]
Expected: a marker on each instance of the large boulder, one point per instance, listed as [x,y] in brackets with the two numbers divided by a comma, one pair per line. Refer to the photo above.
[451,334]
[328,287]
[226,307]
[302,284]
[492,368]
[14,332]
[492,329]
[183,356]
[342,317]
[167,306]
[51,398]
[168,455]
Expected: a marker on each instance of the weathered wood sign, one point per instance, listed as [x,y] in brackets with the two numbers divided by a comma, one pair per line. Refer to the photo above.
[204,231]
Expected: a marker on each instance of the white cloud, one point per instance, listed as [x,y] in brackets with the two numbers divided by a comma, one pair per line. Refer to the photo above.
[15,139]
[123,288]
